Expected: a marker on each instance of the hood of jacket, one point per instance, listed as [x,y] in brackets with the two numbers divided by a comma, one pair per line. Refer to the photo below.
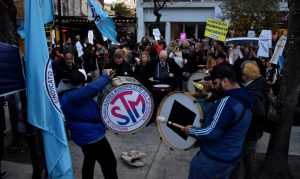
[242,94]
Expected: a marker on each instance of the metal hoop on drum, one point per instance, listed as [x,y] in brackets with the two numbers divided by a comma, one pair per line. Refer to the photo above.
[197,76]
[126,106]
[183,109]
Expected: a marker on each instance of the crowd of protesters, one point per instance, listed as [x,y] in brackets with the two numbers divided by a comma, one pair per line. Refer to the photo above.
[154,62]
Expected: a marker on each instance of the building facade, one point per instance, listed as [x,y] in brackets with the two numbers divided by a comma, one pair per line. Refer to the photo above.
[188,16]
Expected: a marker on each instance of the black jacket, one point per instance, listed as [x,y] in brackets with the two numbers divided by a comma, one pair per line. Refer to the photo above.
[259,90]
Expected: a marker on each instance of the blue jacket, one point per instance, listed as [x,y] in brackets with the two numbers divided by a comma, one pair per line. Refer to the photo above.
[226,126]
[82,113]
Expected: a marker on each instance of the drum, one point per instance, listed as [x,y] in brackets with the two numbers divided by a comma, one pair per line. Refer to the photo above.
[197,76]
[162,88]
[126,105]
[183,109]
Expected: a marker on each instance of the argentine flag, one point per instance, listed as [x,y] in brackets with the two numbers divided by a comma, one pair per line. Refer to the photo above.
[43,104]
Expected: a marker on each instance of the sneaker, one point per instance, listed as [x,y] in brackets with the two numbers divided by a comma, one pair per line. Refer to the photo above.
[3,174]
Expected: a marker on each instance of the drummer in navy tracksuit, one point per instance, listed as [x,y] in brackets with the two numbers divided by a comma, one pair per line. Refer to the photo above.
[83,119]
[225,128]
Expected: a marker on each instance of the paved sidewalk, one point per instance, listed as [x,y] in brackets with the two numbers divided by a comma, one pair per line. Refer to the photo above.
[161,161]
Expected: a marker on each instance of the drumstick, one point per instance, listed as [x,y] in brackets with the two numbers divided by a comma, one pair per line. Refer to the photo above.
[164,120]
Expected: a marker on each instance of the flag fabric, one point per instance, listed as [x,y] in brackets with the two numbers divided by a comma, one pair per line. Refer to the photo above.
[43,104]
[47,10]
[47,13]
[103,22]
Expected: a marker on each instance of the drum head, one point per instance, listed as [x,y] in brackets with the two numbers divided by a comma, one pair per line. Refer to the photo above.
[195,77]
[127,108]
[182,109]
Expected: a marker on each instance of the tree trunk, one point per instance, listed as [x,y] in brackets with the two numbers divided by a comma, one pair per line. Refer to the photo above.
[8,14]
[157,21]
[275,164]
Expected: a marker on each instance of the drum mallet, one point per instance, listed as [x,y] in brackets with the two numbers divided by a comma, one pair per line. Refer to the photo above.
[164,120]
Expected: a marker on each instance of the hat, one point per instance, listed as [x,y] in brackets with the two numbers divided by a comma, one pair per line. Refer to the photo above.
[221,71]
[251,70]
[77,77]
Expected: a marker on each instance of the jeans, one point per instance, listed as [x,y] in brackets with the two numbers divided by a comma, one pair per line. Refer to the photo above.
[248,159]
[101,152]
[202,167]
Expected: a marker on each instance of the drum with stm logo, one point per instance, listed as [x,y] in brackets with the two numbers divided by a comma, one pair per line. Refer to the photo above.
[126,105]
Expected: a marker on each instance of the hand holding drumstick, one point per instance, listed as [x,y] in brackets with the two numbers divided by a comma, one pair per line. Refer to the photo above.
[185,129]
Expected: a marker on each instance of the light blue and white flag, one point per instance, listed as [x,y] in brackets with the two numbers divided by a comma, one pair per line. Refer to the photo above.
[47,10]
[47,13]
[43,104]
[103,22]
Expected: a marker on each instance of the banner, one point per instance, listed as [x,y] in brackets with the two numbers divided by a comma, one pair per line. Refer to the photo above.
[278,49]
[216,29]
[12,78]
[43,104]
[264,43]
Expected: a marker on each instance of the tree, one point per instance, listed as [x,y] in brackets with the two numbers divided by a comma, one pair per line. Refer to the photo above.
[158,5]
[8,14]
[121,9]
[275,164]
[244,14]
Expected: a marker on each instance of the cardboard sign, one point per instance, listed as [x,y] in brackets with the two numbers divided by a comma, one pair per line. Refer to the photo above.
[182,37]
[156,34]
[216,29]
[91,37]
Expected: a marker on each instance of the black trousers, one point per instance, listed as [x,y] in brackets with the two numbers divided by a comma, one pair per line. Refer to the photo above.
[101,152]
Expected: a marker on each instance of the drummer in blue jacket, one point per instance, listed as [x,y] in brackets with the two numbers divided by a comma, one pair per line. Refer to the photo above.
[82,115]
[222,137]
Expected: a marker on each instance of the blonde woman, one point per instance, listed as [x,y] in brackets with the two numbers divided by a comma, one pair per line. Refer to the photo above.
[142,72]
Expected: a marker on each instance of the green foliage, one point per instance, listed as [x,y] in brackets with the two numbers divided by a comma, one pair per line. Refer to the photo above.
[121,9]
[244,14]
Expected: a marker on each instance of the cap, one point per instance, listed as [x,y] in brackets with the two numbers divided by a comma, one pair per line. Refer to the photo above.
[221,71]
[77,77]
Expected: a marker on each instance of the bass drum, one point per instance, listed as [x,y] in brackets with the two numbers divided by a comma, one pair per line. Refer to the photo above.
[197,76]
[183,109]
[126,105]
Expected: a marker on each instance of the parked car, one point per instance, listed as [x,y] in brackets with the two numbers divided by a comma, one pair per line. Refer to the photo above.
[242,41]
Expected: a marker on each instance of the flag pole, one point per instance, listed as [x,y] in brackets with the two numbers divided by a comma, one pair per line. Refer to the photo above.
[60,26]
[32,140]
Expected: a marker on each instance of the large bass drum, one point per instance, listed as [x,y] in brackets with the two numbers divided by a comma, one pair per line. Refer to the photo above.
[126,105]
[183,109]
